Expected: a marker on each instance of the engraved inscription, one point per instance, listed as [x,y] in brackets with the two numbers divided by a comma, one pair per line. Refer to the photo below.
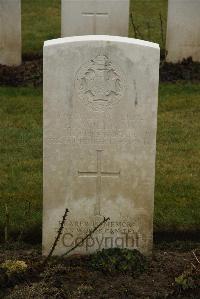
[100,83]
[122,234]
[98,174]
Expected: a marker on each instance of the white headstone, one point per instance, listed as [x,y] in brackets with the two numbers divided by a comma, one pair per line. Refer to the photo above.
[83,17]
[100,116]
[183,30]
[10,32]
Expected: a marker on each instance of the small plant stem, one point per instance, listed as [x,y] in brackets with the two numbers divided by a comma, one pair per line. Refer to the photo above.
[134,27]
[149,31]
[29,208]
[161,29]
[6,223]
[87,236]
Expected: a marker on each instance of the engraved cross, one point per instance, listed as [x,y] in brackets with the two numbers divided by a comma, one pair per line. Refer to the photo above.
[95,16]
[98,174]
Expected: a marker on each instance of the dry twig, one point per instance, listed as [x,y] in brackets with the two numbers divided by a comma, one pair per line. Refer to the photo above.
[87,236]
[196,258]
[57,237]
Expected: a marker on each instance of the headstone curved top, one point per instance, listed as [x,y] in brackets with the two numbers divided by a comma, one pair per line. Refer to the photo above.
[183,30]
[100,116]
[83,17]
[10,32]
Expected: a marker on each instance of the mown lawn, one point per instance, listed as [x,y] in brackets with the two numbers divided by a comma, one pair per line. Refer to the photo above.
[21,157]
[177,191]
[41,21]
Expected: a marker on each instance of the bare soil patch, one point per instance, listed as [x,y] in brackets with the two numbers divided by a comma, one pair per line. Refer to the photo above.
[73,277]
[30,72]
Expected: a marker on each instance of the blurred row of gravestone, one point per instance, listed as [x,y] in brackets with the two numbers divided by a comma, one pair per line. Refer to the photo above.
[110,17]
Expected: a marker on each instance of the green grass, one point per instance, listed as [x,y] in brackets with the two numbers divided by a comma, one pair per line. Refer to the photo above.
[177,191]
[147,16]
[177,204]
[41,21]
[21,156]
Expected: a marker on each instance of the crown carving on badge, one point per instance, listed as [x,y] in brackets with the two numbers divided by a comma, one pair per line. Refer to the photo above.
[100,62]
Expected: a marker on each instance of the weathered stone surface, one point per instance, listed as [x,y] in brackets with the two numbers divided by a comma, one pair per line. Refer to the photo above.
[183,30]
[83,17]
[100,116]
[10,32]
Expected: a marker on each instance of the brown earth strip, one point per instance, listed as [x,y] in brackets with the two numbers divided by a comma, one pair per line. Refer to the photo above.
[73,278]
[30,72]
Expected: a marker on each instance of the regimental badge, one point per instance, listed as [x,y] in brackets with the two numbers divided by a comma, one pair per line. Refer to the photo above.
[100,83]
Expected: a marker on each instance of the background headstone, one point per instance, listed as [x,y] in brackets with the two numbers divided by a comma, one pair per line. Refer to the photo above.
[10,32]
[183,30]
[100,116]
[84,17]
